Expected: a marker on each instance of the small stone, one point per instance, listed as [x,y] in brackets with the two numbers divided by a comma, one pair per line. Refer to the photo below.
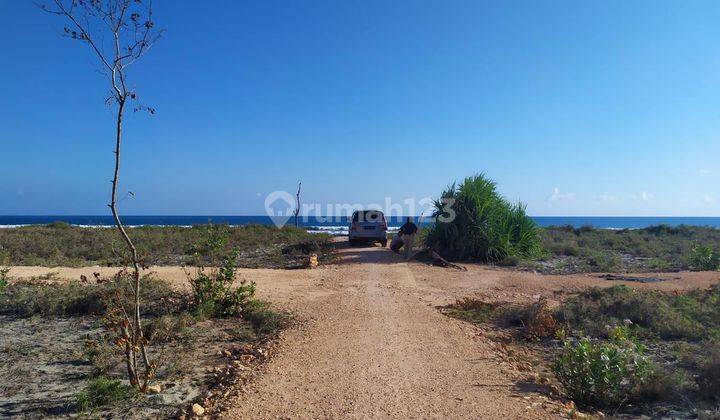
[154,389]
[226,353]
[313,260]
[198,409]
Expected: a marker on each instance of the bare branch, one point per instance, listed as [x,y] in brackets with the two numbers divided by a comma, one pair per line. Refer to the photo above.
[129,37]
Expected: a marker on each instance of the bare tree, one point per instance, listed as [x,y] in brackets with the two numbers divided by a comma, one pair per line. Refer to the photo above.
[119,33]
[297,207]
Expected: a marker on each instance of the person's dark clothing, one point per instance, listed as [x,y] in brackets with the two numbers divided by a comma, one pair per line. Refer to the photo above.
[408,228]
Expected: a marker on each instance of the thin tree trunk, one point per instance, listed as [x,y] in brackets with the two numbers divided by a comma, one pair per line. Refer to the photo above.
[136,334]
[297,207]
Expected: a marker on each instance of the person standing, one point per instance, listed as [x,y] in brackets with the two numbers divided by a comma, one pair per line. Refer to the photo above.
[408,231]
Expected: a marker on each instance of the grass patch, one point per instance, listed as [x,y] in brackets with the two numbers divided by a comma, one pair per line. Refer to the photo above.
[691,316]
[101,391]
[471,310]
[60,244]
[656,248]
[29,298]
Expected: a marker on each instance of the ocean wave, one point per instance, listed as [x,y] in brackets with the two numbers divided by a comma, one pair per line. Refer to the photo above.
[339,230]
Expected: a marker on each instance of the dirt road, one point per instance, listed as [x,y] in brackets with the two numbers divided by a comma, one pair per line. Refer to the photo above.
[371,344]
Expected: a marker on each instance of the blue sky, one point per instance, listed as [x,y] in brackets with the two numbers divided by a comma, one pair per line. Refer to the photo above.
[576,108]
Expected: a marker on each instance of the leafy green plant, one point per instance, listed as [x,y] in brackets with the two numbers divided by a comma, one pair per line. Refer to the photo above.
[4,278]
[474,222]
[101,391]
[213,292]
[601,374]
[704,258]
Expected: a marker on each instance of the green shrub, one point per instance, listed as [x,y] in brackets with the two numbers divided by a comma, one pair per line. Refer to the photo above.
[601,374]
[4,278]
[704,258]
[474,222]
[101,391]
[213,291]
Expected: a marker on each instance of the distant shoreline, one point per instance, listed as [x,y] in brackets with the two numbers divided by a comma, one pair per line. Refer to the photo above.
[339,225]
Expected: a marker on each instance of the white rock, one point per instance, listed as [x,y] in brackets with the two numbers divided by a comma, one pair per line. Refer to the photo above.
[198,409]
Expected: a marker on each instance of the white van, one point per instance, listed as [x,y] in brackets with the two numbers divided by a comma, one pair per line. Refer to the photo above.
[368,226]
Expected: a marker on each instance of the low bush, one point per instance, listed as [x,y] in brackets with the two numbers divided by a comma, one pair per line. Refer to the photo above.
[101,391]
[539,321]
[601,374]
[704,258]
[690,316]
[4,278]
[213,292]
[28,298]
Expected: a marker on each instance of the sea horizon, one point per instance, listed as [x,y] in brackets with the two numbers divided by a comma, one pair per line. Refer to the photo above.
[338,225]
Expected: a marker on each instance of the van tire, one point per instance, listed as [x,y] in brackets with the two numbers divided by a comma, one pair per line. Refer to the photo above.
[383,243]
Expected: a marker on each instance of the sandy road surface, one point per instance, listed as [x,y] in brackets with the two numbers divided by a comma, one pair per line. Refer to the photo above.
[371,344]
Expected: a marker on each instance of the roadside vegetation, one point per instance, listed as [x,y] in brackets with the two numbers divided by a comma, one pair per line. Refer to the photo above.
[60,244]
[69,336]
[473,222]
[619,350]
[653,249]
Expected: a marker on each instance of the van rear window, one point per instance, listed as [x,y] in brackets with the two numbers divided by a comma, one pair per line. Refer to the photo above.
[368,216]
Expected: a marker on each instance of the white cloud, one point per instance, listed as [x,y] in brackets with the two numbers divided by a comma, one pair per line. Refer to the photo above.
[560,196]
[607,198]
[708,199]
[644,196]
[704,171]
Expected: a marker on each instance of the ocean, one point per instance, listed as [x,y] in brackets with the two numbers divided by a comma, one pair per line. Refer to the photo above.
[339,225]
